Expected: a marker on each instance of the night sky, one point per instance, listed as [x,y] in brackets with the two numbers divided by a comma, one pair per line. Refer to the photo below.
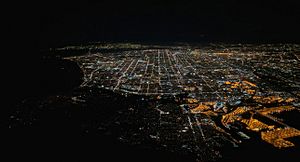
[57,24]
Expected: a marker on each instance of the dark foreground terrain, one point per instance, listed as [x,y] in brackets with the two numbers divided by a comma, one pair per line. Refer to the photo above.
[45,124]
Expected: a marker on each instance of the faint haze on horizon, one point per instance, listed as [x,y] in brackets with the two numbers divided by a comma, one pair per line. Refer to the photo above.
[56,24]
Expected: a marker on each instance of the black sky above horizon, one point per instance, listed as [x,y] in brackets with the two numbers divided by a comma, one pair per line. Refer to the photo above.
[55,24]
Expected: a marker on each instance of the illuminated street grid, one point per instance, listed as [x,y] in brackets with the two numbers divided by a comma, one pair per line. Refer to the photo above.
[221,83]
[198,71]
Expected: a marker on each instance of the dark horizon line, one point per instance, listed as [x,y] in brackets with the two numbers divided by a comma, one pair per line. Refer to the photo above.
[168,42]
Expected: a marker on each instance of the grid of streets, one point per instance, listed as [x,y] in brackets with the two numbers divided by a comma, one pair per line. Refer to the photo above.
[200,71]
[197,99]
